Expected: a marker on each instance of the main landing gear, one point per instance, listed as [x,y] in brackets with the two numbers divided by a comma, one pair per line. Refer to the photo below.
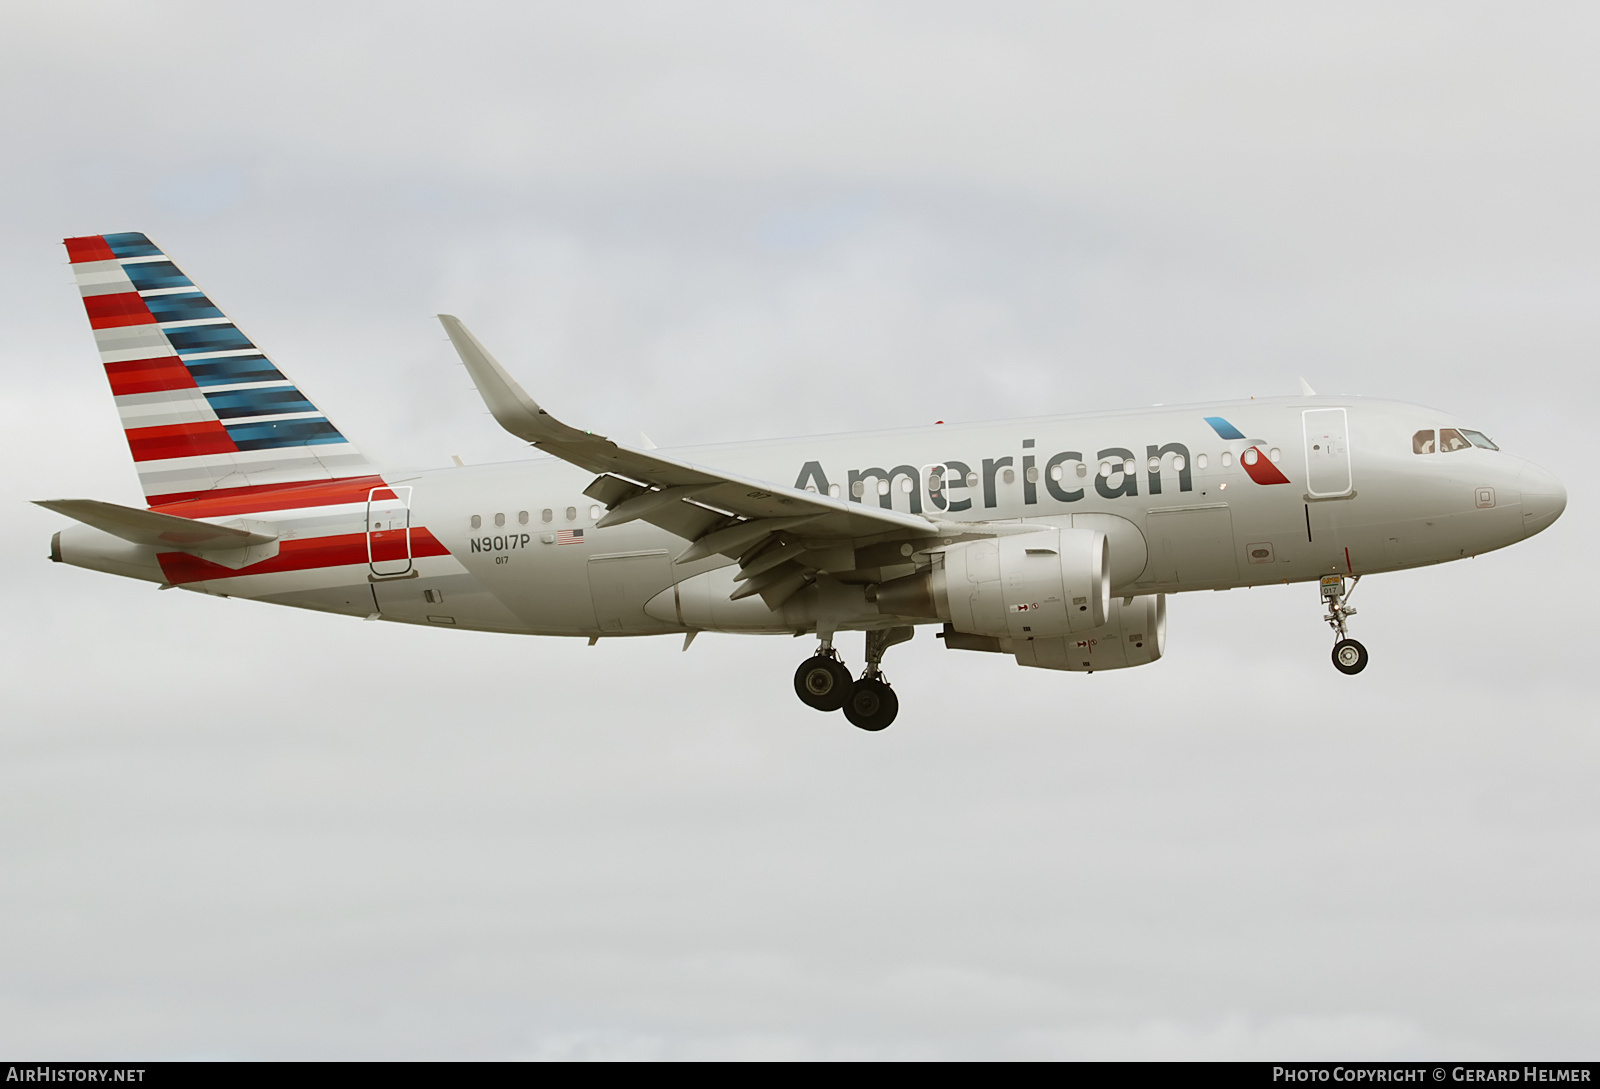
[823,682]
[1349,656]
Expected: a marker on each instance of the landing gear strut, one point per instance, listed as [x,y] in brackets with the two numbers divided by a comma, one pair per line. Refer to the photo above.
[823,681]
[872,704]
[1349,656]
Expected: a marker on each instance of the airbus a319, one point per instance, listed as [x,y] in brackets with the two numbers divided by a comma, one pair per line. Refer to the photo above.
[1052,540]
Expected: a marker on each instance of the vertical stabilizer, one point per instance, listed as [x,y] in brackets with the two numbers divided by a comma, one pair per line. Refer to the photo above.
[207,414]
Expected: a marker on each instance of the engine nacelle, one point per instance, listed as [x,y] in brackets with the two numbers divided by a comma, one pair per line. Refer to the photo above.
[1133,635]
[1023,586]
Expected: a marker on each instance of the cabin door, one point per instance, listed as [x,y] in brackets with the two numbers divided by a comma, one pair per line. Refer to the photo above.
[1327,433]
[389,531]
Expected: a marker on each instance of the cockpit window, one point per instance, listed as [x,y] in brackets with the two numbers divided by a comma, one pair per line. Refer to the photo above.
[1479,439]
[1450,440]
[1422,442]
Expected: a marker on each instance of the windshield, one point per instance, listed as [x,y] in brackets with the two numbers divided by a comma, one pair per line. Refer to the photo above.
[1449,439]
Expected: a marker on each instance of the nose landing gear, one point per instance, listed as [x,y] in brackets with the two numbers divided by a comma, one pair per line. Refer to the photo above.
[1349,656]
[869,703]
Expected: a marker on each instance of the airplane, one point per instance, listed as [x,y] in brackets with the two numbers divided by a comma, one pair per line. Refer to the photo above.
[1053,539]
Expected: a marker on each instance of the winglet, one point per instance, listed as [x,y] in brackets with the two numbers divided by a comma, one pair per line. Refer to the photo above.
[508,402]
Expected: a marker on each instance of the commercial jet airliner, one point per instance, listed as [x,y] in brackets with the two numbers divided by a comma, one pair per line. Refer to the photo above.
[1054,539]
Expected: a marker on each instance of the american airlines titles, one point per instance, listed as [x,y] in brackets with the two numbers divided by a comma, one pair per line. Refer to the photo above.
[1064,477]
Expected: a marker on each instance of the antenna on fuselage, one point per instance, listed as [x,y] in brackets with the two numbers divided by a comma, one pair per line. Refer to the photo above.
[1305,388]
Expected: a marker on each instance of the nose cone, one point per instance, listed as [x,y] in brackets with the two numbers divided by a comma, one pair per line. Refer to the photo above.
[1543,499]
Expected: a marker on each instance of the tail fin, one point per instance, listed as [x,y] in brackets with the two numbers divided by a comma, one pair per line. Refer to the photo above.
[207,414]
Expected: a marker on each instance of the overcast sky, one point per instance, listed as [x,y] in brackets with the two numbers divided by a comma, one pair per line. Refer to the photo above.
[234,831]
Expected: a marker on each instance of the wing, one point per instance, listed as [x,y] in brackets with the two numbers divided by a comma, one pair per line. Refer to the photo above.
[781,536]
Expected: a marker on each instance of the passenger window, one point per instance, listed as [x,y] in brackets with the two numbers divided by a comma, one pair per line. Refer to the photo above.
[499,520]
[1032,474]
[522,517]
[1200,461]
[1479,439]
[477,522]
[594,512]
[572,514]
[1451,440]
[1009,476]
[547,515]
[1082,469]
[1422,442]
[1227,459]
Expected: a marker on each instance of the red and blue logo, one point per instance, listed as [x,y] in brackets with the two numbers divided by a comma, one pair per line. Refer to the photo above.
[1253,458]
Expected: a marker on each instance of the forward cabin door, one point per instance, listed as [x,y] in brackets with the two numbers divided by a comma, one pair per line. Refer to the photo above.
[389,531]
[1327,433]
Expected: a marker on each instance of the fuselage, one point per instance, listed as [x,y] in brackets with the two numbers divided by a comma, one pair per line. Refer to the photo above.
[1194,497]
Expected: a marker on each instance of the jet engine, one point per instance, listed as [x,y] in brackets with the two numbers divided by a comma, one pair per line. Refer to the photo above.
[1051,582]
[1134,634]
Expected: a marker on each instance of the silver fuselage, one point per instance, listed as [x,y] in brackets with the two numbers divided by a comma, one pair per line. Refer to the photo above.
[494,547]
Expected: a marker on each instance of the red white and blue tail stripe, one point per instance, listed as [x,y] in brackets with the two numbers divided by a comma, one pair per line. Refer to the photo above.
[207,414]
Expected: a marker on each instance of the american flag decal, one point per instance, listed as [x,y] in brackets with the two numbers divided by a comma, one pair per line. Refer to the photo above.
[569,536]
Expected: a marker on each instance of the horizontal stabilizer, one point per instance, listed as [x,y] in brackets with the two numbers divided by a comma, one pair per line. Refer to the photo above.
[231,546]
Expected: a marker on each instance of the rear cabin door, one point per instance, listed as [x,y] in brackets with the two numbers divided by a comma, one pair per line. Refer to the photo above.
[389,531]
[1327,433]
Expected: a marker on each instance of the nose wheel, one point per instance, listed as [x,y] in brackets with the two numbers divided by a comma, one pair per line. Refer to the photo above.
[1349,656]
[823,682]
